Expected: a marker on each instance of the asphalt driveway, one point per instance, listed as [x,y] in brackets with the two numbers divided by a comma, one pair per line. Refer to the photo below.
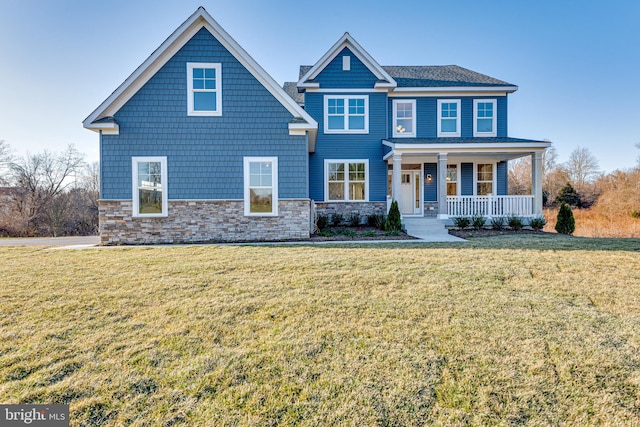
[51,241]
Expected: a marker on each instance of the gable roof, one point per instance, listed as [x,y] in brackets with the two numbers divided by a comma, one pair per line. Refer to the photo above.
[101,118]
[436,76]
[384,79]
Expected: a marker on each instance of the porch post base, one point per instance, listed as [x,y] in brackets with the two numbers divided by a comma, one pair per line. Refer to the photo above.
[443,216]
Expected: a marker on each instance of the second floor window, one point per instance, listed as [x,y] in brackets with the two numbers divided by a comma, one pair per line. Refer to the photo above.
[484,117]
[404,118]
[448,117]
[346,114]
[204,89]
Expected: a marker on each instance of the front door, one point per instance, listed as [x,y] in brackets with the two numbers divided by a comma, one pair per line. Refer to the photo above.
[410,200]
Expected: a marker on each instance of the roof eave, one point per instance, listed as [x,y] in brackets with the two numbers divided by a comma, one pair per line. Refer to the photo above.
[478,89]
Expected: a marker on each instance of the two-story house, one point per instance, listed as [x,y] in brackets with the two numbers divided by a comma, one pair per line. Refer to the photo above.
[434,138]
[201,144]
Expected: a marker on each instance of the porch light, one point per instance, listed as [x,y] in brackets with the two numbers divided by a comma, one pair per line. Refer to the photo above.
[428,177]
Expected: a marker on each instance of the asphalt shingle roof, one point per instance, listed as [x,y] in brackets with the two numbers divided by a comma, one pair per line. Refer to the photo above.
[292,90]
[433,76]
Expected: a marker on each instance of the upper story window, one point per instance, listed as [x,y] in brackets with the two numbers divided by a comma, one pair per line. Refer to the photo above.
[204,89]
[484,117]
[261,186]
[404,118]
[448,117]
[346,114]
[149,186]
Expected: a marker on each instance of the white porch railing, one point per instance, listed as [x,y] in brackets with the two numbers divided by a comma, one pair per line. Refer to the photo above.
[490,205]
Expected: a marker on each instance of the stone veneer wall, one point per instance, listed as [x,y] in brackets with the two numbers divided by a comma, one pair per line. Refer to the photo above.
[428,211]
[202,221]
[348,208]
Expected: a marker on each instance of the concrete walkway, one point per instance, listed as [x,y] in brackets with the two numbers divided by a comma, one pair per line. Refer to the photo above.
[423,233]
[428,230]
[73,241]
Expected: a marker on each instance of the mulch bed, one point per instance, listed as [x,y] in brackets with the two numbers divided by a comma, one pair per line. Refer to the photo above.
[338,234]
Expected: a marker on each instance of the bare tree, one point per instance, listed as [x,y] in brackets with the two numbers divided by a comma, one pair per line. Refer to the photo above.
[519,176]
[5,160]
[638,158]
[41,178]
[582,168]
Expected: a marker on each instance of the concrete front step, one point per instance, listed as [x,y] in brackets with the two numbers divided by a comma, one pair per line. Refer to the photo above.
[429,229]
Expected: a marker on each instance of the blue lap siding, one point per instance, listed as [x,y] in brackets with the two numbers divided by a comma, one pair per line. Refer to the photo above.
[427,115]
[204,154]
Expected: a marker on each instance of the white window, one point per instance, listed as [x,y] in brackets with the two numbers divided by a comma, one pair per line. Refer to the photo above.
[346,180]
[404,118]
[346,114]
[149,186]
[452,180]
[261,186]
[484,179]
[204,89]
[484,117]
[448,117]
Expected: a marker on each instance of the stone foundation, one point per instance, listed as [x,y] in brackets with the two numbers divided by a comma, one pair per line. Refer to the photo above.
[202,221]
[431,209]
[347,208]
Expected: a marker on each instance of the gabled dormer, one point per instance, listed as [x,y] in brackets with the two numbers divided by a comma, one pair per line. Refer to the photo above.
[346,65]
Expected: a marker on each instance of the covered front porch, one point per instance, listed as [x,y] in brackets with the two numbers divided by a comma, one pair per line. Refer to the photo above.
[446,180]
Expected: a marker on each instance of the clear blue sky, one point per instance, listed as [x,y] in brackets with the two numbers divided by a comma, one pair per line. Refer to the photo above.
[577,63]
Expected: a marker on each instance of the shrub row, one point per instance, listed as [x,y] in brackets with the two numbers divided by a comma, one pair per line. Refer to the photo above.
[391,222]
[498,223]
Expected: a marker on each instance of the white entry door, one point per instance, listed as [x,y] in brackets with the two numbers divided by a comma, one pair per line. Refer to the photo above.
[410,200]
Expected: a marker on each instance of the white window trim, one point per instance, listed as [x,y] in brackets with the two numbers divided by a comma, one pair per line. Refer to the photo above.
[218,67]
[346,113]
[165,188]
[457,133]
[495,117]
[346,181]
[274,185]
[494,181]
[458,177]
[405,134]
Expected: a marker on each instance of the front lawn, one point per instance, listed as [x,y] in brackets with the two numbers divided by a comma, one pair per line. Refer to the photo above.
[525,329]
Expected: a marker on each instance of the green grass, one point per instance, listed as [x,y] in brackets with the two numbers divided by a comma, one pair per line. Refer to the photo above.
[531,330]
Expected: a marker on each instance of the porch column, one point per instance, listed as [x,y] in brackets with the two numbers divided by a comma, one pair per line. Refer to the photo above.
[442,185]
[536,182]
[396,177]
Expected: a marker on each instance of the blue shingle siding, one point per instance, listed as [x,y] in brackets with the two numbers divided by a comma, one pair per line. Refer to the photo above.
[502,179]
[350,146]
[466,178]
[431,188]
[332,76]
[427,115]
[204,154]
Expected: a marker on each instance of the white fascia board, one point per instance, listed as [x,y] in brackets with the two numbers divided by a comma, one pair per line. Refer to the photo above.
[457,89]
[106,128]
[467,147]
[346,41]
[171,46]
